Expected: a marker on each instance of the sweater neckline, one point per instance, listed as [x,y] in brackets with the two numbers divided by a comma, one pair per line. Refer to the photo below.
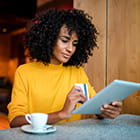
[50,65]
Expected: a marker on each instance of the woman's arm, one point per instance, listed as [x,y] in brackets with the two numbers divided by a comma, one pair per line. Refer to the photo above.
[72,98]
[52,118]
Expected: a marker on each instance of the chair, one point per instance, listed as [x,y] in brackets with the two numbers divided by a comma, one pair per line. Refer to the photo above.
[4,123]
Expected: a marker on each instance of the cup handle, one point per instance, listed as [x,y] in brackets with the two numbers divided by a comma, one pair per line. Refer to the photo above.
[28,118]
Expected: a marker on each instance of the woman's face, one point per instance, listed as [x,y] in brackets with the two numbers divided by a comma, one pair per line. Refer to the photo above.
[65,46]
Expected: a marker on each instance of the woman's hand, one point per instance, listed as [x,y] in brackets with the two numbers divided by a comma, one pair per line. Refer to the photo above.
[111,110]
[73,97]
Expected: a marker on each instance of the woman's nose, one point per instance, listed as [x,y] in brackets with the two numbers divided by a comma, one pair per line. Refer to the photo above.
[70,47]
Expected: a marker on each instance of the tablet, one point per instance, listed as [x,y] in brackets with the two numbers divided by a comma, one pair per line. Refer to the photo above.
[115,91]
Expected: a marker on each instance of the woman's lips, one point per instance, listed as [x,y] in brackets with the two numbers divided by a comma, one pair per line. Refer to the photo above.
[66,55]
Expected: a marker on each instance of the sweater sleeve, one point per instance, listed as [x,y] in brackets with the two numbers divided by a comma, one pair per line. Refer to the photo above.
[19,103]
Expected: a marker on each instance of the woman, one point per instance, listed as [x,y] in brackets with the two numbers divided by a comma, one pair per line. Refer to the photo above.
[61,41]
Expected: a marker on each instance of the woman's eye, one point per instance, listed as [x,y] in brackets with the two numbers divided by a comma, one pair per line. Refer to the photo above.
[75,44]
[64,41]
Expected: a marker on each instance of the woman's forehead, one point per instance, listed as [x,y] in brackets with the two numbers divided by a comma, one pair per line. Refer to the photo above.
[64,30]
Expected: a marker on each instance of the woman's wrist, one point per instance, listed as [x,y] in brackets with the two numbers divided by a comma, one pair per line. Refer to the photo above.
[62,115]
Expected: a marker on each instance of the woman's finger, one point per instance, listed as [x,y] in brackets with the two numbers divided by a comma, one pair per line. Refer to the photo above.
[117,103]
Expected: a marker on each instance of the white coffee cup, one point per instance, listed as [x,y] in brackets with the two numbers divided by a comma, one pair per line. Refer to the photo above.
[37,120]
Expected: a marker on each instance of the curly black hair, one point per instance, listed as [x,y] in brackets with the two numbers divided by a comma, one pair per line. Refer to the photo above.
[43,34]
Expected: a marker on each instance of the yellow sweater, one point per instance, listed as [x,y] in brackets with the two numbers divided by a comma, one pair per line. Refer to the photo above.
[43,88]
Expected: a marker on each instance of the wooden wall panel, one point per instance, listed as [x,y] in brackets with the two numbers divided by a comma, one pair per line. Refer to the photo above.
[123,47]
[95,68]
[118,56]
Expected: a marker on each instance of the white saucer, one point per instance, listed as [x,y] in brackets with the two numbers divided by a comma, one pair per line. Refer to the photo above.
[29,129]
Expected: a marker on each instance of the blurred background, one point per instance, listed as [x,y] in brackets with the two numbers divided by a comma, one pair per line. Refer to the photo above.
[14,14]
[118,56]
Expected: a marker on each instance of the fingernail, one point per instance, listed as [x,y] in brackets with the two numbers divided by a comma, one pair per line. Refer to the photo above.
[113,103]
[101,108]
[105,106]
